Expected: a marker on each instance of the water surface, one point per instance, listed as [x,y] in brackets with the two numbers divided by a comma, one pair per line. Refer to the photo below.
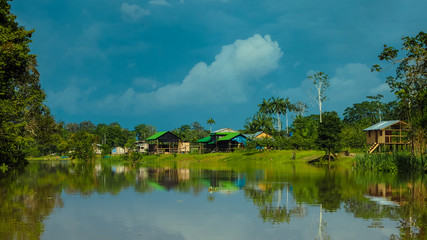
[63,200]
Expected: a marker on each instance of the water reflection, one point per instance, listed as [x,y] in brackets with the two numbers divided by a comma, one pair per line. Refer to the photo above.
[281,195]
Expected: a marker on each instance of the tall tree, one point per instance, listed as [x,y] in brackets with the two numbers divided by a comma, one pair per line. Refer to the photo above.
[300,108]
[410,81]
[210,122]
[321,82]
[21,96]
[278,106]
[376,99]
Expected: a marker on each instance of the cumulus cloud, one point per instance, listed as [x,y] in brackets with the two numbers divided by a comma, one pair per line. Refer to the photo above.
[133,12]
[159,2]
[227,78]
[147,83]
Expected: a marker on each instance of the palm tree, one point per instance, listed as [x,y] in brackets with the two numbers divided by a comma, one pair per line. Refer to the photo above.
[278,106]
[265,106]
[288,107]
[210,122]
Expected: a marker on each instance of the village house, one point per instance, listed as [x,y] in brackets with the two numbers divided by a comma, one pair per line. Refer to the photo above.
[387,134]
[119,151]
[222,142]
[258,135]
[166,143]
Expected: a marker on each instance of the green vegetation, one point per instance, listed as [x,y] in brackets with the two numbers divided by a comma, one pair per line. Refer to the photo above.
[21,97]
[392,162]
[28,129]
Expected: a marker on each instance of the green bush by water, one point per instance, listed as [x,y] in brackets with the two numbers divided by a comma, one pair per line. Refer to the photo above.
[391,162]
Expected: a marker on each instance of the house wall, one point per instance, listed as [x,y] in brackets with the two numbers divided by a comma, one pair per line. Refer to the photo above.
[184,147]
[263,135]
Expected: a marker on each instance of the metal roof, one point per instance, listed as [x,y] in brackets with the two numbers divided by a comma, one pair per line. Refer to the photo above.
[156,135]
[204,140]
[229,136]
[381,125]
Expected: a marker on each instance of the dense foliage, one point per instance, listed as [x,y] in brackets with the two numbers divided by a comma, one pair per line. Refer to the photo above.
[410,83]
[21,97]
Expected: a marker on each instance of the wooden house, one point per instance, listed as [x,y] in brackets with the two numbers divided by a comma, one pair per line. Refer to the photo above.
[119,151]
[390,134]
[141,146]
[258,135]
[223,142]
[167,143]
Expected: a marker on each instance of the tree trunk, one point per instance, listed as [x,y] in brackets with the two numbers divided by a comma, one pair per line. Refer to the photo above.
[279,124]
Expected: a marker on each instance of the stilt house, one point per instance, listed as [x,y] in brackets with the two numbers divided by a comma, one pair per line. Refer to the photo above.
[223,142]
[164,143]
[387,134]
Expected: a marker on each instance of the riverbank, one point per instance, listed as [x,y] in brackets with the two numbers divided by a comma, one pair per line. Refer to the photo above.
[259,158]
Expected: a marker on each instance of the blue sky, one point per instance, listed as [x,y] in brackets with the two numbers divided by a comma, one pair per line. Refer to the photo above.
[173,62]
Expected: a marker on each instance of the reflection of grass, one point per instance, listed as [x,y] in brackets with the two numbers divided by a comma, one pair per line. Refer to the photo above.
[238,161]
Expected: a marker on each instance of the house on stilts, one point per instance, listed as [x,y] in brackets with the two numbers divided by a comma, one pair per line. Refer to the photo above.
[166,143]
[387,135]
[222,142]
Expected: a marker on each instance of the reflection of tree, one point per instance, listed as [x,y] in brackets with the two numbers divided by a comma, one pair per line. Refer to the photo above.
[25,201]
[271,205]
[321,233]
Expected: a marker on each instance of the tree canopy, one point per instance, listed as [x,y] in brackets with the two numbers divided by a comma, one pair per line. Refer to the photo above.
[21,96]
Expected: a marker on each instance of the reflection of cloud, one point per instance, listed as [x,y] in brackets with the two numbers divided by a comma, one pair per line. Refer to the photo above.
[348,85]
[133,12]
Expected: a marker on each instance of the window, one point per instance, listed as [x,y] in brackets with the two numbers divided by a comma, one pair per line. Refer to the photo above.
[381,133]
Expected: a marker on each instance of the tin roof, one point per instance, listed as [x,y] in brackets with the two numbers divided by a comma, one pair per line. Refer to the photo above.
[381,125]
[156,135]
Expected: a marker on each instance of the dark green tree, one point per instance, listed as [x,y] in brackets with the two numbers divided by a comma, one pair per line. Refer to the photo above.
[20,93]
[410,82]
[81,146]
[143,131]
[329,133]
[259,122]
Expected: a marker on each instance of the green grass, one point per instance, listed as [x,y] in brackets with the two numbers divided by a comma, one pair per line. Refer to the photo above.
[391,162]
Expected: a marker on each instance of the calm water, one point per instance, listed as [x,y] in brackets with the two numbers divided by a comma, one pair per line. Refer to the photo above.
[62,200]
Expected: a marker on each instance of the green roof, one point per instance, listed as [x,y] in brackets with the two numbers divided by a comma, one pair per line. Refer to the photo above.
[157,135]
[204,140]
[229,136]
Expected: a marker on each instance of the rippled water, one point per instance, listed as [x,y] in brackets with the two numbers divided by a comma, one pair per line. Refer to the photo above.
[63,200]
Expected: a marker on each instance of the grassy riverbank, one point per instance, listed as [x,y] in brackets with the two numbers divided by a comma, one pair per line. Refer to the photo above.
[223,160]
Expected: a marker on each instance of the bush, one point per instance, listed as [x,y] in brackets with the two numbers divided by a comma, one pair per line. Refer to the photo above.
[391,162]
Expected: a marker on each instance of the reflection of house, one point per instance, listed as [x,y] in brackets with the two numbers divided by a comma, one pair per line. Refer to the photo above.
[223,141]
[166,142]
[119,151]
[258,135]
[387,133]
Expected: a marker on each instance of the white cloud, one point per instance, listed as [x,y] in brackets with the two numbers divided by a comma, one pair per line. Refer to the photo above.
[133,12]
[148,83]
[159,2]
[227,78]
